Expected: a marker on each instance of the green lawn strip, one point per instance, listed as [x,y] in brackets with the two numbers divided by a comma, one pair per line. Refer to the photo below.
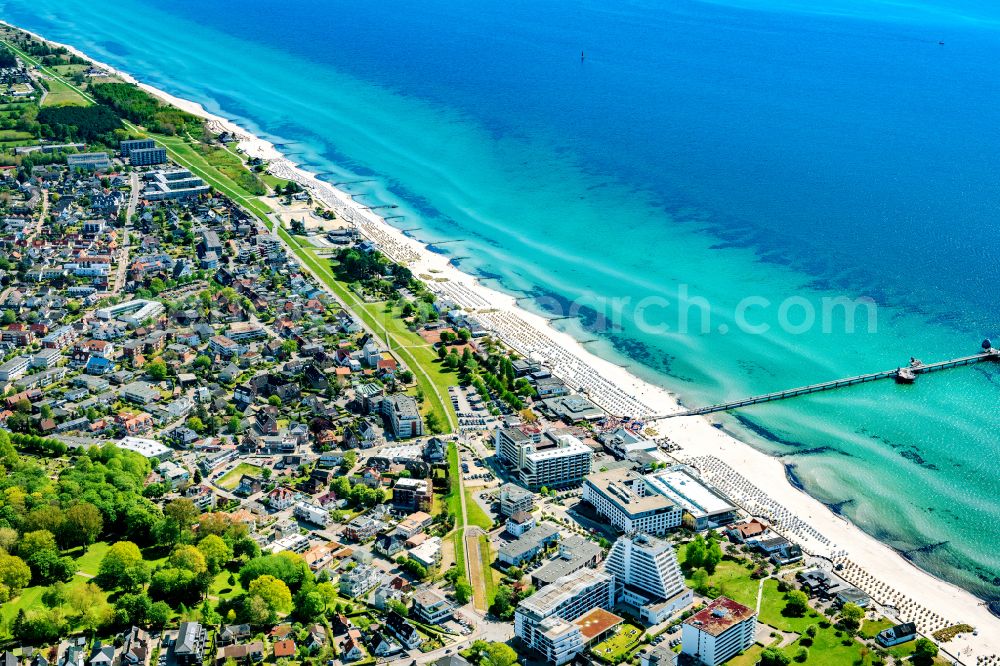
[232,477]
[871,628]
[772,606]
[828,648]
[486,561]
[459,543]
[220,586]
[60,94]
[89,561]
[733,581]
[749,657]
[453,497]
[475,512]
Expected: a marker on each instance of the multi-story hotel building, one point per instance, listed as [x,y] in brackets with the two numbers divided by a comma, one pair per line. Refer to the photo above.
[543,459]
[718,632]
[648,577]
[544,620]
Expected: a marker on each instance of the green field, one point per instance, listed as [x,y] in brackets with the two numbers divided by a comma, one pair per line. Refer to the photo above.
[772,605]
[489,574]
[613,649]
[232,478]
[475,512]
[14,135]
[732,580]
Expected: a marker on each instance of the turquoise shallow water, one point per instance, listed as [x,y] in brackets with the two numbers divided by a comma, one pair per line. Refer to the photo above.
[762,150]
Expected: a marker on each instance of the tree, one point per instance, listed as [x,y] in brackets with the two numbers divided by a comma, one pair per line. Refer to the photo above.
[132,609]
[123,567]
[463,591]
[851,616]
[90,606]
[713,555]
[157,370]
[699,581]
[274,592]
[924,652]
[35,542]
[202,362]
[14,576]
[694,553]
[216,552]
[796,603]
[183,513]
[189,558]
[503,602]
[8,317]
[159,614]
[772,657]
[498,654]
[83,524]
[308,604]
[274,401]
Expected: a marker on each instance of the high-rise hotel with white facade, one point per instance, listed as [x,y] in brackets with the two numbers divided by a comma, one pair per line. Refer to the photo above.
[648,577]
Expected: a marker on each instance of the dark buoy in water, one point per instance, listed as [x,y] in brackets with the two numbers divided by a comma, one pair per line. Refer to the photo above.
[940,43]
[582,56]
[987,345]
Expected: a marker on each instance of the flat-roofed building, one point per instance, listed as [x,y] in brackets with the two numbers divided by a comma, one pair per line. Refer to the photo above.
[543,459]
[543,621]
[149,448]
[575,553]
[619,495]
[431,606]
[655,503]
[127,146]
[648,577]
[88,161]
[412,495]
[718,632]
[514,498]
[528,545]
[402,416]
[148,156]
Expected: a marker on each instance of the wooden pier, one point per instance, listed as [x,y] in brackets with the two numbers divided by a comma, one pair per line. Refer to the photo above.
[903,375]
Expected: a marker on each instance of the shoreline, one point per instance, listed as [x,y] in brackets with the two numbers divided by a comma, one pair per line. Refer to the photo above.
[714,452]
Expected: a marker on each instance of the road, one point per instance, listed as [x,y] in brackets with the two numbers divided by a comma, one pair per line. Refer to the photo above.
[133,201]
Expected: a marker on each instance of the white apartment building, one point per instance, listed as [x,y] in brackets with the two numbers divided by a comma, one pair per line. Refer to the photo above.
[648,577]
[718,632]
[543,459]
[621,496]
[543,620]
[312,513]
[360,580]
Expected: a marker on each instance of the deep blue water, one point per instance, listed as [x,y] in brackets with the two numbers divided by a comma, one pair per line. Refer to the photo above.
[768,149]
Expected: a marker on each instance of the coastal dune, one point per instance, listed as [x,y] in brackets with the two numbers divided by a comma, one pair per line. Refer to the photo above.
[752,479]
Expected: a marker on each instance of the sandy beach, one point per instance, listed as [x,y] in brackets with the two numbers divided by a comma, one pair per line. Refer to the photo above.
[752,479]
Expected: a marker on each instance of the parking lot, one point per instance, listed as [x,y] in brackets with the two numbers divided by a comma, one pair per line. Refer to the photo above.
[472,414]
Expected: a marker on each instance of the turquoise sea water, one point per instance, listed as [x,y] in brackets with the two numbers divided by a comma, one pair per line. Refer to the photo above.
[768,149]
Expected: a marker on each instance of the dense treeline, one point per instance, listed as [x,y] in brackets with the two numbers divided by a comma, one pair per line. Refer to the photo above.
[7,58]
[80,123]
[140,107]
